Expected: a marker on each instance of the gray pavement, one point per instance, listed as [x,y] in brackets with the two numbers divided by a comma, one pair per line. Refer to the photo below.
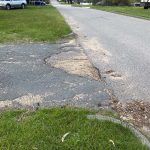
[25,78]
[118,45]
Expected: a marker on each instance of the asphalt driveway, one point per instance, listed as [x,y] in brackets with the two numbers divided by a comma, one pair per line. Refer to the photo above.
[26,79]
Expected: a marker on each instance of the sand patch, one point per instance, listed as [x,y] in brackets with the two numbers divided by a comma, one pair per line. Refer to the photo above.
[74,63]
[26,100]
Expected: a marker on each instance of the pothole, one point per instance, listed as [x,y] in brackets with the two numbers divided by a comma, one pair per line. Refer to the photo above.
[74,63]
[116,75]
[113,74]
[109,71]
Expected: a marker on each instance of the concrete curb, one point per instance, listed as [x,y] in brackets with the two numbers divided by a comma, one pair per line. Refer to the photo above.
[136,132]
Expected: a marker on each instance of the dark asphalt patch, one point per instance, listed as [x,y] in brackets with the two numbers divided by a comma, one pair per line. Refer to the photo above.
[24,76]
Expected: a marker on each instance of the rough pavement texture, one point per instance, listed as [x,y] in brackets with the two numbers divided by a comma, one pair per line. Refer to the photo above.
[118,45]
[26,79]
[74,62]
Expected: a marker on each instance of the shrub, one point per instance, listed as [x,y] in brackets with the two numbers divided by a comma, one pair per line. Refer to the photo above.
[112,2]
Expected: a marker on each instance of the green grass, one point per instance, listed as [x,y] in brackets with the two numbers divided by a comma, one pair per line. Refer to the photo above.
[35,23]
[132,11]
[44,129]
[127,10]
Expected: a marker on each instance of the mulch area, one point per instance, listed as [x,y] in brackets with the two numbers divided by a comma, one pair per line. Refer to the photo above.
[136,112]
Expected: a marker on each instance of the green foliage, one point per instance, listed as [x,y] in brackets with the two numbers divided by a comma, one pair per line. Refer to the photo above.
[112,2]
[121,2]
[129,10]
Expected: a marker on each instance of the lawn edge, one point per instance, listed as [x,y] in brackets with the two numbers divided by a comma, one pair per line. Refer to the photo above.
[93,114]
[123,14]
[133,129]
[115,12]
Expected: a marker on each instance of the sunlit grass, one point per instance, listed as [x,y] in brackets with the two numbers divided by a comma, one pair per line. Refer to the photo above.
[35,23]
[44,129]
[133,11]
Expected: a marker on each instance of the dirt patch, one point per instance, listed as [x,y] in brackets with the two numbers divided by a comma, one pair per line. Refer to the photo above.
[24,101]
[116,75]
[74,63]
[109,71]
[98,52]
[137,113]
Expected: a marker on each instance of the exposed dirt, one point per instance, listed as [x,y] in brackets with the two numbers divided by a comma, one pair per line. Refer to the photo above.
[109,71]
[113,73]
[24,101]
[74,62]
[137,112]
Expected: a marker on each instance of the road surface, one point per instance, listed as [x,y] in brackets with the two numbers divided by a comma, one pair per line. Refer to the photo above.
[27,79]
[119,46]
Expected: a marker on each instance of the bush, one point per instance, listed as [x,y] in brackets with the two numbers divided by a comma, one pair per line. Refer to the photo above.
[112,2]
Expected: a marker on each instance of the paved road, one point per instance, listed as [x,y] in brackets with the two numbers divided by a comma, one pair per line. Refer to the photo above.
[118,45]
[25,78]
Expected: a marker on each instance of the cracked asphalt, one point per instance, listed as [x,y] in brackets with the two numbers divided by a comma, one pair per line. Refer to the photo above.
[24,72]
[118,45]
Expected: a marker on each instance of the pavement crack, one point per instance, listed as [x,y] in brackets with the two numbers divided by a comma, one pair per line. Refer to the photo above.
[74,61]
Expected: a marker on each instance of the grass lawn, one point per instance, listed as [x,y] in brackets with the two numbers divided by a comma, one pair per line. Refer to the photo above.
[132,11]
[43,130]
[35,23]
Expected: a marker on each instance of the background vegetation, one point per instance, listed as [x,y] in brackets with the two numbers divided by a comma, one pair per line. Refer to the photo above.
[127,10]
